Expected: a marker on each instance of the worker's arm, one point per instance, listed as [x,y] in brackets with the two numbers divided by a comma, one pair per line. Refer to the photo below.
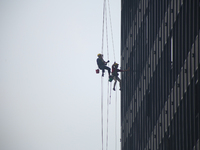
[123,70]
[106,62]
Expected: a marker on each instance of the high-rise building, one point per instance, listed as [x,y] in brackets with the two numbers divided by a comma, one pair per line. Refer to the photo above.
[160,96]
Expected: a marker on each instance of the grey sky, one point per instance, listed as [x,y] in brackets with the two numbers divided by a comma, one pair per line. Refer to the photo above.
[49,93]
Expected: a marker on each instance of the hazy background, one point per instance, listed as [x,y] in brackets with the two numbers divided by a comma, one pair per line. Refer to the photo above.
[50,95]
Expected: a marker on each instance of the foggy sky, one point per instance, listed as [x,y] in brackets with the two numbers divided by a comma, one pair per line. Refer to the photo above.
[49,92]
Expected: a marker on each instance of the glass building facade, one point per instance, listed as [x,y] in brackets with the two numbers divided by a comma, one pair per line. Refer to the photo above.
[160,96]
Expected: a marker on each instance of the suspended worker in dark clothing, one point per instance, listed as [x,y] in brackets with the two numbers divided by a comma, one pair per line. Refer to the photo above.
[102,64]
[115,74]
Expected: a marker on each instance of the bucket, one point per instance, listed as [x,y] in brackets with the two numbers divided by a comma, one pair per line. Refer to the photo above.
[97,71]
[110,79]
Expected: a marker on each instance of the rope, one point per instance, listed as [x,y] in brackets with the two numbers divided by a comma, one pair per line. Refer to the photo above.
[108,95]
[102,110]
[104,8]
[111,30]
[116,121]
[107,35]
[110,92]
[107,117]
[108,100]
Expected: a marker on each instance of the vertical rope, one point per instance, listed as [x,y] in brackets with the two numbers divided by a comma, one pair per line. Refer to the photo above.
[106,32]
[110,92]
[108,81]
[116,121]
[102,110]
[111,30]
[107,116]
[104,7]
[108,96]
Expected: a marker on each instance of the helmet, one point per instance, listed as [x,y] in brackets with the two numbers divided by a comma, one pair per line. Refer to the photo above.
[99,55]
[116,64]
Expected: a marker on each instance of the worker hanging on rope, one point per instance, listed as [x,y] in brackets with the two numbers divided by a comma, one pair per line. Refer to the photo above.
[102,64]
[115,74]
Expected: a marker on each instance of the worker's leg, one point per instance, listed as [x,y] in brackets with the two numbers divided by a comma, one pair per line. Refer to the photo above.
[118,79]
[107,68]
[103,72]
[102,68]
[114,83]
